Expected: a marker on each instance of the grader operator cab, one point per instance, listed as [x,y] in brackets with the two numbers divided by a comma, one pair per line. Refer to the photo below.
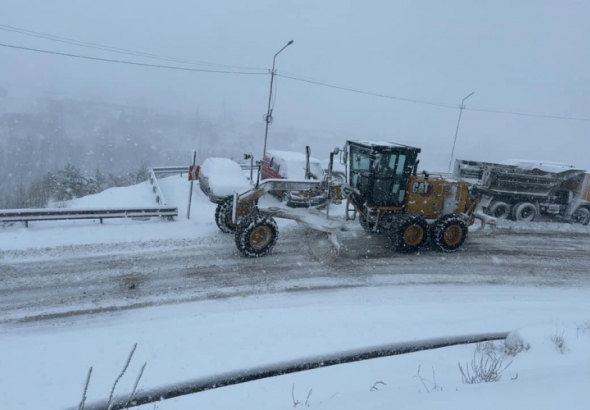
[382,188]
[380,172]
[391,198]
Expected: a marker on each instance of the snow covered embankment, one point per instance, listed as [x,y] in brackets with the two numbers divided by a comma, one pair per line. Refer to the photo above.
[537,367]
[85,232]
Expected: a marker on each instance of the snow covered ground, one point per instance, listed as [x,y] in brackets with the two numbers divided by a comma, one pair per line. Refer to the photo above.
[75,294]
[56,233]
[186,341]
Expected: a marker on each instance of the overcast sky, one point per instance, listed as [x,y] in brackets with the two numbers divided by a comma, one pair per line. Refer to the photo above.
[525,55]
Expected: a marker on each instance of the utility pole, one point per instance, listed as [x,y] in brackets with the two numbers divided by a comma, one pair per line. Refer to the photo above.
[461,108]
[268,117]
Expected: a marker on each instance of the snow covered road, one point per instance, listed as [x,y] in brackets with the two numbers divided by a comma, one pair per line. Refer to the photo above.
[86,279]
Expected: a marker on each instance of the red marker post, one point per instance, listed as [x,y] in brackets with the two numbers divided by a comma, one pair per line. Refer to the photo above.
[193,175]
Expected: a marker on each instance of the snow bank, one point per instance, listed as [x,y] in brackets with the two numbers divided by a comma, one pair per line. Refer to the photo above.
[540,226]
[186,341]
[135,195]
[545,343]
[85,232]
[424,380]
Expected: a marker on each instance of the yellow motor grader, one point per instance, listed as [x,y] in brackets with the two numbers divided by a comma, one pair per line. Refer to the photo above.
[383,188]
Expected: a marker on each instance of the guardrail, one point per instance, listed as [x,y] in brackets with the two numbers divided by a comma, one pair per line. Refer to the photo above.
[170,170]
[247,167]
[294,366]
[156,187]
[49,214]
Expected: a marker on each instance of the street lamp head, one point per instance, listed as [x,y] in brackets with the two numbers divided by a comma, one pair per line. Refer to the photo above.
[468,96]
[278,52]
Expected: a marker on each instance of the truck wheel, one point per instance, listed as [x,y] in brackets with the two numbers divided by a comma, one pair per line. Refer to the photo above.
[223,215]
[581,216]
[256,235]
[524,211]
[499,210]
[448,233]
[409,233]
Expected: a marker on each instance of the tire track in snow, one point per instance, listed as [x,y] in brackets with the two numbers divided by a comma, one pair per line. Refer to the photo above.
[66,281]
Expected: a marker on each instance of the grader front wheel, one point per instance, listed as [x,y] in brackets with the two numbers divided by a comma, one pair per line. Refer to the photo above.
[223,215]
[256,235]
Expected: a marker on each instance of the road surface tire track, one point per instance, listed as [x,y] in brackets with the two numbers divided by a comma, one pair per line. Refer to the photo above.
[90,279]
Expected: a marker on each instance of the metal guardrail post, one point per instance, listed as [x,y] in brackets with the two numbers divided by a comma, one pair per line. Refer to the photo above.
[156,188]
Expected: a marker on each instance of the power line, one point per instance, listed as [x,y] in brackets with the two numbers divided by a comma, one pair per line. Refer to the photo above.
[526,114]
[117,49]
[311,80]
[289,75]
[202,70]
[391,97]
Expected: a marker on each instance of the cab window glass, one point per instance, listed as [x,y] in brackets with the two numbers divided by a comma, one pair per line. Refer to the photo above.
[273,164]
[400,165]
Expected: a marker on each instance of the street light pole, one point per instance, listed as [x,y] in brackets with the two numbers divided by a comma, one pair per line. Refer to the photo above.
[461,108]
[269,112]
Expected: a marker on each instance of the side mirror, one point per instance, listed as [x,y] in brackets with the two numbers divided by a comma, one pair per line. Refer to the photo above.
[344,157]
[336,151]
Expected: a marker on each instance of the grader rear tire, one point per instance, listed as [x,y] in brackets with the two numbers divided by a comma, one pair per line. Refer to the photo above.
[409,233]
[448,233]
[256,235]
[223,215]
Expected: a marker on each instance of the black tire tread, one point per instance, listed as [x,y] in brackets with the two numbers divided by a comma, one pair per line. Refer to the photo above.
[246,225]
[437,231]
[516,210]
[223,215]
[497,204]
[398,228]
[585,223]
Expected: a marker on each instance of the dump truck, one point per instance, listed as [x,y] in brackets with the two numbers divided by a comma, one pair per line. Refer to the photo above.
[526,190]
[383,188]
